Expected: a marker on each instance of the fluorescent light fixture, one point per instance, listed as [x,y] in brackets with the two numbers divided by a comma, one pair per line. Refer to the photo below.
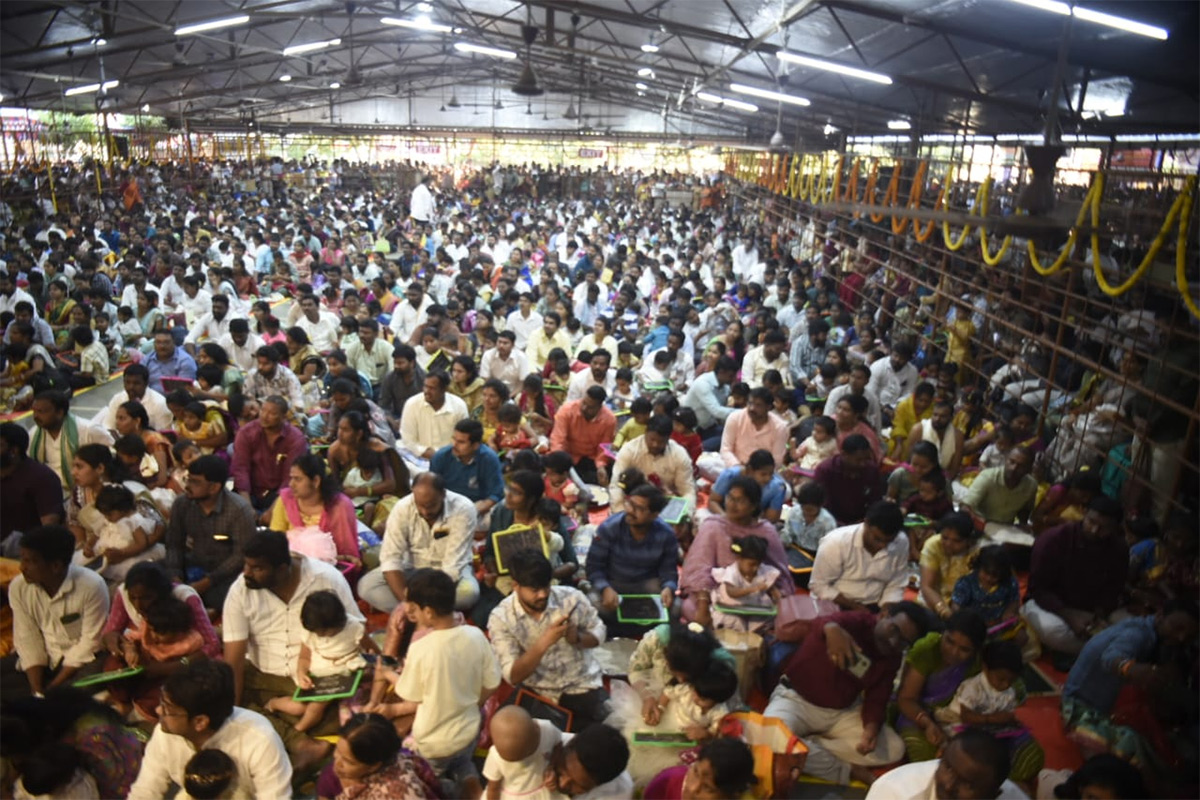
[830,129]
[1053,6]
[1120,23]
[1098,17]
[146,108]
[833,66]
[715,99]
[297,49]
[495,52]
[335,85]
[899,125]
[91,87]
[284,78]
[645,72]
[212,25]
[767,94]
[101,42]
[641,87]
[650,47]
[424,8]
[420,24]
[749,108]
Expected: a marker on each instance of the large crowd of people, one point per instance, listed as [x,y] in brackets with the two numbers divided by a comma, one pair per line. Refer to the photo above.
[454,435]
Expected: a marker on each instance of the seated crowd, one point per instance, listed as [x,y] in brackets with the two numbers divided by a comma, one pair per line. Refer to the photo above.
[455,441]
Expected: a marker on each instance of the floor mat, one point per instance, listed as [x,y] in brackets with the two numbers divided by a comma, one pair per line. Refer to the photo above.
[1042,716]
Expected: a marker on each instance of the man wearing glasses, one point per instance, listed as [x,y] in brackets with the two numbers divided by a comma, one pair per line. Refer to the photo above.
[835,688]
[196,712]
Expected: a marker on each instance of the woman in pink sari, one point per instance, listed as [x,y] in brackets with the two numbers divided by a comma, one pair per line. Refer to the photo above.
[317,517]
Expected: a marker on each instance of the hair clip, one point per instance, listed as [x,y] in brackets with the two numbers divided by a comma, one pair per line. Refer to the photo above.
[695,627]
[735,547]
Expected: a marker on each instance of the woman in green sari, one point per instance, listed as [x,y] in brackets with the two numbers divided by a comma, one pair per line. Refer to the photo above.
[150,319]
[58,312]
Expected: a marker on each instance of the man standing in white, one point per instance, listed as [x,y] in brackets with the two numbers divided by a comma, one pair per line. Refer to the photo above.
[197,713]
[263,632]
[421,205]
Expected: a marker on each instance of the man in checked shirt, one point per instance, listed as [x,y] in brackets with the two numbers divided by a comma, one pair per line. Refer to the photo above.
[544,636]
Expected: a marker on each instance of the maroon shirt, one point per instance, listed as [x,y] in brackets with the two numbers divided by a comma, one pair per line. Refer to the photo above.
[815,678]
[260,466]
[1069,570]
[847,496]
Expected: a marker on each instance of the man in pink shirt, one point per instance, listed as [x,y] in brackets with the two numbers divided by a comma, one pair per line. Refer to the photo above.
[754,427]
[580,427]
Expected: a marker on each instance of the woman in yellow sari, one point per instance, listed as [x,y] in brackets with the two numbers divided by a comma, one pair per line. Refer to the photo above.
[58,312]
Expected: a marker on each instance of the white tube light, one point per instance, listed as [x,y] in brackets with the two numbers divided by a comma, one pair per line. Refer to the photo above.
[212,25]
[645,72]
[1053,6]
[716,99]
[833,66]
[91,87]
[1120,23]
[284,78]
[420,24]
[899,125]
[650,47]
[335,85]
[495,52]
[1098,17]
[641,87]
[297,49]
[767,94]
[749,108]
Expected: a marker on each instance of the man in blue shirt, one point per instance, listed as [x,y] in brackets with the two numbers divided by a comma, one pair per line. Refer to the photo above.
[471,468]
[168,361]
[761,467]
[634,552]
[1124,652]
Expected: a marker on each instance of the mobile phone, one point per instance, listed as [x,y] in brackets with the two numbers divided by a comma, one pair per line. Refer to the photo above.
[858,668]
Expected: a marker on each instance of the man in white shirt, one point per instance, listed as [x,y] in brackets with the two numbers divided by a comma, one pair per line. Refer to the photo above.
[263,631]
[10,295]
[170,292]
[421,205]
[427,422]
[197,302]
[524,321]
[197,713]
[136,379]
[598,373]
[663,462]
[411,313]
[504,363]
[745,258]
[864,566]
[682,371]
[59,434]
[974,764]
[893,378]
[433,528]
[240,344]
[369,354]
[210,327]
[322,327]
[59,611]
[771,354]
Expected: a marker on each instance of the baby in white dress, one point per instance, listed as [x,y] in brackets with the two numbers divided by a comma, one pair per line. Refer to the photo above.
[329,646]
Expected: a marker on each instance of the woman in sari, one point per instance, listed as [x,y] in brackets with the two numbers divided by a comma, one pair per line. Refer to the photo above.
[307,364]
[493,395]
[933,669]
[977,430]
[465,382]
[58,312]
[231,377]
[373,493]
[313,504]
[133,420]
[93,468]
[537,406]
[150,319]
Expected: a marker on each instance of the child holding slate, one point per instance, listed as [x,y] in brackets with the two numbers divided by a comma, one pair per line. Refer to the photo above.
[746,583]
[328,647]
